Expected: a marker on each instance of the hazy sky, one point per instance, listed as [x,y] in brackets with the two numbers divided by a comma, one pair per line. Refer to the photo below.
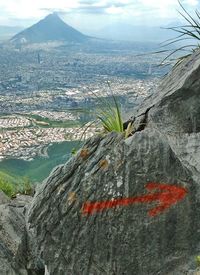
[86,14]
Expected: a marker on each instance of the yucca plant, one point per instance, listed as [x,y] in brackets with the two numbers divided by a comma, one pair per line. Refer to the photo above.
[107,118]
[190,33]
[110,116]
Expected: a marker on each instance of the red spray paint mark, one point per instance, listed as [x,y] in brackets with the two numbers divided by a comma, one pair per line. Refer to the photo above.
[165,194]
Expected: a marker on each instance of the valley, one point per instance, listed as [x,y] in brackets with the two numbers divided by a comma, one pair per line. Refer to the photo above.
[44,103]
[50,90]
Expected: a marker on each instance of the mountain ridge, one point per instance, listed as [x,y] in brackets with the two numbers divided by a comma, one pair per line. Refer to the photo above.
[142,33]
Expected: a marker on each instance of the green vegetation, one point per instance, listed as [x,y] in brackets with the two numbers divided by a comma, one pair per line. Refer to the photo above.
[8,188]
[12,185]
[197,260]
[189,32]
[112,121]
[110,116]
[46,122]
[73,151]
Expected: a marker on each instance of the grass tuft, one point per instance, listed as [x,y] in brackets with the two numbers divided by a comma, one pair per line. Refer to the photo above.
[109,114]
[8,188]
[11,188]
[110,117]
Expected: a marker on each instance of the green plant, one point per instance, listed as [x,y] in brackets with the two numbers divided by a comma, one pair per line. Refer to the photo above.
[8,188]
[110,116]
[25,188]
[106,117]
[11,189]
[197,258]
[188,32]
[73,151]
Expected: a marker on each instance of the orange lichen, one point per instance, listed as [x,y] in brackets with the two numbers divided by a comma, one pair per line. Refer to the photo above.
[103,163]
[84,153]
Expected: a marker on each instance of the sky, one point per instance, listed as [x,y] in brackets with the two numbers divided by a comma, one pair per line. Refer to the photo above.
[94,14]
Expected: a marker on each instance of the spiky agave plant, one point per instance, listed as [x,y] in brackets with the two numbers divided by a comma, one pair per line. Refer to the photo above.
[107,117]
[110,116]
[189,32]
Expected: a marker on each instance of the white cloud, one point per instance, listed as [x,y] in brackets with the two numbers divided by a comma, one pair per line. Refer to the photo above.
[191,2]
[147,10]
[28,8]
[114,10]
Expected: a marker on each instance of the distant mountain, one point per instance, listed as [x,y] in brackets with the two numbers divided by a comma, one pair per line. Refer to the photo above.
[127,32]
[51,28]
[8,31]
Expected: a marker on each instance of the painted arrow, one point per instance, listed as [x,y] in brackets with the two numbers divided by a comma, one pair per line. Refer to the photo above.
[165,194]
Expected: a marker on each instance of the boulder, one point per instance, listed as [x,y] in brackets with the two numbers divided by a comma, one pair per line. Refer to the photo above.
[129,206]
[12,241]
[14,254]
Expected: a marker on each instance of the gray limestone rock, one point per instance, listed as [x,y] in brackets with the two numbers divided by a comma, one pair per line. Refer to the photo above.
[14,253]
[12,241]
[123,236]
[122,240]
[3,198]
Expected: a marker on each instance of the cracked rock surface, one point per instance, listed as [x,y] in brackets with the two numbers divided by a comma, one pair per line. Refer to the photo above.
[126,240]
[15,257]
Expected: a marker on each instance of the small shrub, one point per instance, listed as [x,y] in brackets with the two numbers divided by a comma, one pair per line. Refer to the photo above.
[8,188]
[11,189]
[26,188]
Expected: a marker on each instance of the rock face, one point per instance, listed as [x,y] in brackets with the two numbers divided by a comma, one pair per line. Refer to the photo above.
[14,255]
[12,238]
[129,206]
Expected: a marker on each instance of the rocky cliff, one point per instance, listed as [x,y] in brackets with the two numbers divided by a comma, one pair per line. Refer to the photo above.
[128,206]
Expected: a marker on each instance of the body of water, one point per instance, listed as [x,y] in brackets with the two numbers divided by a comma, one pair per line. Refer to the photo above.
[39,168]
